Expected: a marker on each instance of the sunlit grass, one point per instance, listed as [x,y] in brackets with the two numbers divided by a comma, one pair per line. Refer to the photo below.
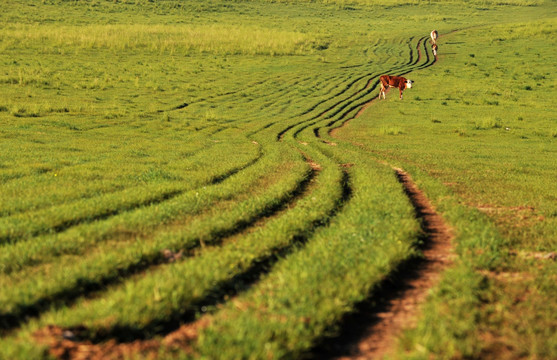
[483,140]
[128,128]
[211,38]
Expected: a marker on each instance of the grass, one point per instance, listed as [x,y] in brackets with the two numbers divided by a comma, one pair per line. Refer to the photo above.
[58,218]
[64,276]
[165,39]
[131,128]
[501,167]
[373,233]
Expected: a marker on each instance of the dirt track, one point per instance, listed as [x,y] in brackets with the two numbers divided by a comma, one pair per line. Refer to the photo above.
[371,332]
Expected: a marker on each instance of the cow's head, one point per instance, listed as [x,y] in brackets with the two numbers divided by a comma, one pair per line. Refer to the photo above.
[409,84]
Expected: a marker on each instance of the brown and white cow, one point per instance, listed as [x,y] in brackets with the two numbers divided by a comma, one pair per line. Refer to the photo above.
[434,35]
[399,82]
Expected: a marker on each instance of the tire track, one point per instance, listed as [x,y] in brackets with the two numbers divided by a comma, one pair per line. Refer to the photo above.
[371,330]
[351,105]
[364,105]
[56,338]
[148,261]
[14,237]
[345,89]
[182,331]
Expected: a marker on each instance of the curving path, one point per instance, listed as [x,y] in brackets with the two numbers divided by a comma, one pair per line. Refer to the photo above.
[371,332]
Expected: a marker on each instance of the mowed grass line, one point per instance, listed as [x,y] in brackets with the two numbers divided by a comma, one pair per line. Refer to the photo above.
[167,297]
[93,173]
[78,239]
[64,280]
[307,293]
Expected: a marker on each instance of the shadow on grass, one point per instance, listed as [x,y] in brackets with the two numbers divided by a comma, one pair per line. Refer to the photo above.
[88,286]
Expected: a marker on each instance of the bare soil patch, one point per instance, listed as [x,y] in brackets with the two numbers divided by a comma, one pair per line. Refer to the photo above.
[66,343]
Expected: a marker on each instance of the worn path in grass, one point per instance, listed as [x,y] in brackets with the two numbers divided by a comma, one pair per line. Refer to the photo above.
[70,344]
[371,331]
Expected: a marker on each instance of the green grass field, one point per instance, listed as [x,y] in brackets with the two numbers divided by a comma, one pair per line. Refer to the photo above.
[169,163]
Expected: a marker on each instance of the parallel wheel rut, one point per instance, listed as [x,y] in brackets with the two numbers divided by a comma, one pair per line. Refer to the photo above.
[370,332]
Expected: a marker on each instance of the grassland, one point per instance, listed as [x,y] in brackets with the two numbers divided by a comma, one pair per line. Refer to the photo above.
[205,162]
[497,125]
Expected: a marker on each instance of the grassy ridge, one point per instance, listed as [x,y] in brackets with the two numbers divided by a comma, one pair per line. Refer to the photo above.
[64,278]
[63,216]
[278,319]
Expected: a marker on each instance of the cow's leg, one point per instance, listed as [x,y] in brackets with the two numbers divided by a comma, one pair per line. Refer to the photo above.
[382,91]
[400,90]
